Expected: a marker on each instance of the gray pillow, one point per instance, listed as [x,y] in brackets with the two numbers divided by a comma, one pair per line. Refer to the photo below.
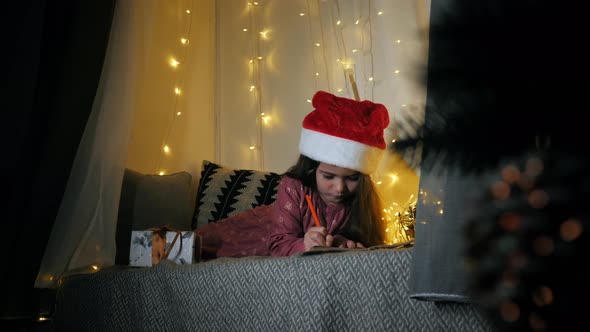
[152,201]
[163,199]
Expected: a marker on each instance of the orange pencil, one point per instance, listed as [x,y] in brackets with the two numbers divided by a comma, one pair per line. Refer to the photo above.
[312,209]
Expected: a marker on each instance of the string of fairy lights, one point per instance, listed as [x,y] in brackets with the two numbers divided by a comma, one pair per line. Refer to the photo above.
[176,63]
[312,12]
[358,51]
[257,34]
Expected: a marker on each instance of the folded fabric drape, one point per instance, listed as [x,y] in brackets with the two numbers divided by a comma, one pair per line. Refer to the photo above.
[447,197]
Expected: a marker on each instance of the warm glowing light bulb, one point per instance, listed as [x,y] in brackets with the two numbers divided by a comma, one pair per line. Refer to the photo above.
[317,74]
[162,173]
[262,114]
[354,51]
[252,87]
[184,41]
[264,34]
[301,14]
[166,149]
[317,44]
[188,11]
[255,3]
[379,182]
[394,178]
[380,13]
[396,71]
[259,58]
[94,267]
[393,140]
[340,90]
[177,91]
[398,41]
[252,147]
[251,60]
[309,100]
[357,21]
[370,78]
[441,211]
[174,63]
[404,105]
[48,277]
[244,29]
[178,113]
[338,22]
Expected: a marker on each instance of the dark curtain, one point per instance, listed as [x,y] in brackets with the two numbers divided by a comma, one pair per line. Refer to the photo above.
[54,54]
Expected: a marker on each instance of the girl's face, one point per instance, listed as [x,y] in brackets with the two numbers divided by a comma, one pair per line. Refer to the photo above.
[336,184]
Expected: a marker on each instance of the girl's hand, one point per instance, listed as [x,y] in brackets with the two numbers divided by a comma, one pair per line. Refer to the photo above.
[342,242]
[315,236]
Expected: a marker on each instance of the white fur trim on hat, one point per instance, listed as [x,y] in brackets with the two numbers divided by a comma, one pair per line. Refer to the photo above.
[340,152]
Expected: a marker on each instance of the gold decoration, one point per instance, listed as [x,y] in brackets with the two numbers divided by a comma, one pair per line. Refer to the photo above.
[397,184]
[401,221]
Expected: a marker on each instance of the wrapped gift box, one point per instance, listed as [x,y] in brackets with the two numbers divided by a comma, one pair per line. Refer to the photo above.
[186,249]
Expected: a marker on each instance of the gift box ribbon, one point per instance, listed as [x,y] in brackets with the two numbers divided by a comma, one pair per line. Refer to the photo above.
[162,233]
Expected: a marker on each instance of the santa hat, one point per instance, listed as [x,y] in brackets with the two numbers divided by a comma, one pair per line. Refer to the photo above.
[344,132]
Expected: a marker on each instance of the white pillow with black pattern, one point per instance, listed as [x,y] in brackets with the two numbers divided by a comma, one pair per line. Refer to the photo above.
[223,192]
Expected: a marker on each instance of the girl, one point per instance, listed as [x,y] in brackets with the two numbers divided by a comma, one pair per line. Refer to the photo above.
[338,195]
[341,145]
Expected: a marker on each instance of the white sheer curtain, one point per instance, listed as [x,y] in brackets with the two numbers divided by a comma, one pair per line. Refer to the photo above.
[83,236]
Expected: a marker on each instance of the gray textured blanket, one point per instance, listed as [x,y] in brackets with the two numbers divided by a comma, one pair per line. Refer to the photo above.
[361,290]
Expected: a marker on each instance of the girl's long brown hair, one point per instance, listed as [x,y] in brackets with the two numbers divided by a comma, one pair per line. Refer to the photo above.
[367,209]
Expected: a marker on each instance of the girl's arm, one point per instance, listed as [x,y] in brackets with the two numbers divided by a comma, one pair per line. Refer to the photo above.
[286,236]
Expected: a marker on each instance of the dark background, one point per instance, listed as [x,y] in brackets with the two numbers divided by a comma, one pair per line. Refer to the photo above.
[53,54]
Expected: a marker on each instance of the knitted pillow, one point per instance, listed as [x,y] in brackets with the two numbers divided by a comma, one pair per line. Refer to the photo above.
[223,192]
